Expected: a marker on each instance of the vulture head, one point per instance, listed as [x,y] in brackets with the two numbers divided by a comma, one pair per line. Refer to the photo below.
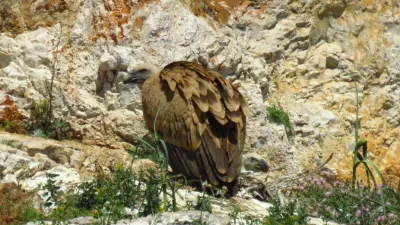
[140,74]
[254,162]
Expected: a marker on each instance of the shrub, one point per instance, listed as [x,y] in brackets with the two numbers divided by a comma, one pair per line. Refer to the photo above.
[107,197]
[11,119]
[16,206]
[43,124]
[279,116]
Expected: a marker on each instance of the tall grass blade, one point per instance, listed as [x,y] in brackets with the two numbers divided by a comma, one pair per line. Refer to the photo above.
[145,142]
[369,173]
[155,120]
[376,170]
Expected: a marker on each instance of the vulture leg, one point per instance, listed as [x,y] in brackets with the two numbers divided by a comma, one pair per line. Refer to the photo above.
[233,188]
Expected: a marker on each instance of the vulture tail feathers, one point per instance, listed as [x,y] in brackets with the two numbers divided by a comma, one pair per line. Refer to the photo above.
[208,162]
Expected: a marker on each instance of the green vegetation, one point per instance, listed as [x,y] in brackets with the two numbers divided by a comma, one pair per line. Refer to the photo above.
[106,198]
[279,116]
[203,204]
[340,202]
[288,214]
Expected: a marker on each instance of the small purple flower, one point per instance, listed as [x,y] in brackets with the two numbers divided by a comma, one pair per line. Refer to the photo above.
[358,213]
[328,193]
[326,172]
[301,186]
[392,215]
[354,195]
[333,212]
[379,189]
[336,213]
[337,184]
[380,218]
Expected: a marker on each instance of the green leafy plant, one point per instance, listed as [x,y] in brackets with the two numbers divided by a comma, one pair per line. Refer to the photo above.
[362,158]
[288,214]
[52,190]
[279,116]
[103,198]
[203,204]
[107,198]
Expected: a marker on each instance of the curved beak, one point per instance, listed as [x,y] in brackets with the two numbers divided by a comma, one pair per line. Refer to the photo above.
[264,165]
[136,77]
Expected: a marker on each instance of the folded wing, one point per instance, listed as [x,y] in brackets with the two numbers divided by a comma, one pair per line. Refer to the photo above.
[202,118]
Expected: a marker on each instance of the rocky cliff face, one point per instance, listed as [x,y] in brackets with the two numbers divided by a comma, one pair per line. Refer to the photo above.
[300,55]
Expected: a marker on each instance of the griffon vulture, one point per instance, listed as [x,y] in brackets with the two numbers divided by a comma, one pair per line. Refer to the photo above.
[201,117]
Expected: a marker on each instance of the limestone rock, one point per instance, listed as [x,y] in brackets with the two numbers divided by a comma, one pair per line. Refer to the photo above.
[5,59]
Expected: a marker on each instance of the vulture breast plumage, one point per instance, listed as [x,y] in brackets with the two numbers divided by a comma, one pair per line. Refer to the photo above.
[202,119]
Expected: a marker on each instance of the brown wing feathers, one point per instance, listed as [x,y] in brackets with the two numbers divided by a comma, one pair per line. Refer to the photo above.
[211,130]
